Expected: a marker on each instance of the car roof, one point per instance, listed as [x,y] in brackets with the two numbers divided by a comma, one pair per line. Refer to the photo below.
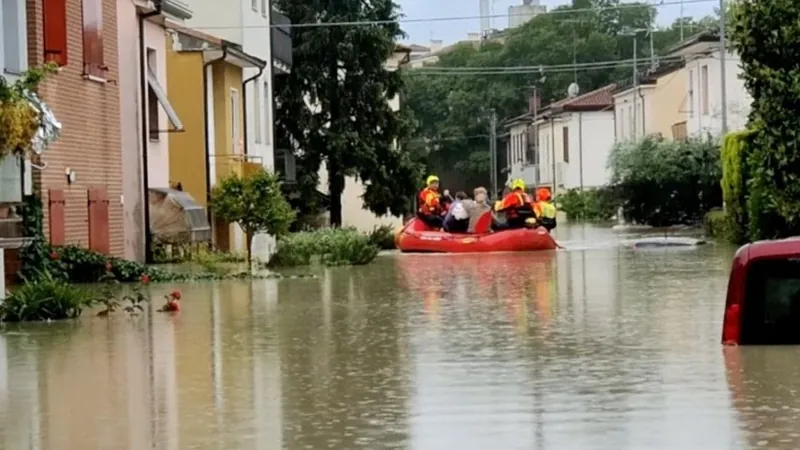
[781,248]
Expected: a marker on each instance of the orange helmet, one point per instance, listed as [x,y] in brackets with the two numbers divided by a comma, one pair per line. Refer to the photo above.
[543,194]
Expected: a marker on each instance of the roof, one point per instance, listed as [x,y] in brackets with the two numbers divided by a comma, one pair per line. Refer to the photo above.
[419,48]
[515,120]
[400,48]
[706,36]
[595,100]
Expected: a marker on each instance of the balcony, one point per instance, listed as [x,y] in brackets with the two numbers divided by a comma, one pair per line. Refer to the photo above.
[281,35]
[239,165]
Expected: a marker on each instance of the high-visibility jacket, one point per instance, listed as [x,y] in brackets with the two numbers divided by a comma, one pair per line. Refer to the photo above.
[544,210]
[429,202]
[513,202]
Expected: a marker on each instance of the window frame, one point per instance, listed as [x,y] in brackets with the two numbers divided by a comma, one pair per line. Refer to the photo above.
[54,32]
[20,35]
[704,97]
[92,32]
[257,112]
[267,118]
[565,143]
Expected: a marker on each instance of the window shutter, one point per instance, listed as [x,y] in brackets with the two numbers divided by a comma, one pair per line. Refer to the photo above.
[93,38]
[54,17]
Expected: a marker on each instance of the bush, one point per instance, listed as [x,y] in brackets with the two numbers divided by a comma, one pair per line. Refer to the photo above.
[589,204]
[80,265]
[766,37]
[47,298]
[383,237]
[255,202]
[718,225]
[663,183]
[734,176]
[329,247]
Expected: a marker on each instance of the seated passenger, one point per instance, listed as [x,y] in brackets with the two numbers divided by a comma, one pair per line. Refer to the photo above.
[430,207]
[479,207]
[516,206]
[457,218]
[545,209]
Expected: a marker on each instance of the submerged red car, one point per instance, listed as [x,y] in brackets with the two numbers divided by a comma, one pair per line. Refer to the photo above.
[763,301]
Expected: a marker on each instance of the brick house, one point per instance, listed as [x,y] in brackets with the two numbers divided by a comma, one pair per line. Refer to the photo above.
[81,186]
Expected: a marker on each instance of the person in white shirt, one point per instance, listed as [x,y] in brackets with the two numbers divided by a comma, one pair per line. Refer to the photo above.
[457,218]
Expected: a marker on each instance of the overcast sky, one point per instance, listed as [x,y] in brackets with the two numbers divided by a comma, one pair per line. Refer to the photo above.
[451,31]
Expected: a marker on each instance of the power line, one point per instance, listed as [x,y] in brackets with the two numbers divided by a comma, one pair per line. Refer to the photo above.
[544,67]
[451,18]
[547,70]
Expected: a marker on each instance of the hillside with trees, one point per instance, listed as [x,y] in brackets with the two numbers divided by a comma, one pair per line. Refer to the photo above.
[451,107]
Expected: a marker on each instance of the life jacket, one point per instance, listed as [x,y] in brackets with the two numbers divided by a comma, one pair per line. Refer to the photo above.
[514,202]
[544,210]
[429,202]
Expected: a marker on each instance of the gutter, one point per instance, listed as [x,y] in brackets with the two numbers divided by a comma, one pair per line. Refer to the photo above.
[244,108]
[148,236]
[206,130]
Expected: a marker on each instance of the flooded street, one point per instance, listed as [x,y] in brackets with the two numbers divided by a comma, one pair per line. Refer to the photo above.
[594,347]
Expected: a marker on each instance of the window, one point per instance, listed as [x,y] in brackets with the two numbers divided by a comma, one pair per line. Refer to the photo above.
[565,143]
[679,132]
[691,93]
[772,303]
[267,114]
[54,17]
[13,36]
[152,99]
[235,122]
[704,89]
[10,179]
[93,61]
[254,5]
[621,133]
[264,8]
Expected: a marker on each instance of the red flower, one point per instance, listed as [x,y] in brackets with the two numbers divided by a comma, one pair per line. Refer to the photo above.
[145,278]
[109,267]
[174,306]
[175,295]
[54,256]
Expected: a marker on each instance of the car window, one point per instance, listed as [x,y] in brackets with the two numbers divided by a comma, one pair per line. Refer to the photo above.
[771,311]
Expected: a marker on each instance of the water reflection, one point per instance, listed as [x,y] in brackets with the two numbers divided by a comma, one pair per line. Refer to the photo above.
[595,347]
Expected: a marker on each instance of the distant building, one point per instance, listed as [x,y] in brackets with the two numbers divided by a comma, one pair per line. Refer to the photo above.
[518,15]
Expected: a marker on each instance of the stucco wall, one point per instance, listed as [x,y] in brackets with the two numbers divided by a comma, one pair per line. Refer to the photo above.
[591,136]
[738,99]
[158,150]
[130,134]
[670,102]
[187,150]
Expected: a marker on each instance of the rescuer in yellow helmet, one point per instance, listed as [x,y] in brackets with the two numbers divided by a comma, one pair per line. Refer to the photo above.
[430,203]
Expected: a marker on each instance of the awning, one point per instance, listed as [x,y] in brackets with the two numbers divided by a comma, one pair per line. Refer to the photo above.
[161,95]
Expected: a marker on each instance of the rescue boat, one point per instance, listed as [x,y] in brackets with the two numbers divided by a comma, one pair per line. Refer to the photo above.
[418,237]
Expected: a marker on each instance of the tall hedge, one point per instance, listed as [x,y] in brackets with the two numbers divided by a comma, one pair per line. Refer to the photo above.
[734,178]
[766,36]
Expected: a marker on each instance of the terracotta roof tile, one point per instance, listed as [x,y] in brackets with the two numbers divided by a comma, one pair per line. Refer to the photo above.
[599,98]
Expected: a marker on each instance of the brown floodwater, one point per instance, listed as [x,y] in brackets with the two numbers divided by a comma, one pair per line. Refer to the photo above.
[594,347]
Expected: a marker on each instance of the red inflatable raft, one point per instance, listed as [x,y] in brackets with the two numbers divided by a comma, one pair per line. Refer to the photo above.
[417,237]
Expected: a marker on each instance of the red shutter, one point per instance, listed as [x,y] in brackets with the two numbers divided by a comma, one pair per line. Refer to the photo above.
[54,17]
[98,221]
[58,220]
[93,60]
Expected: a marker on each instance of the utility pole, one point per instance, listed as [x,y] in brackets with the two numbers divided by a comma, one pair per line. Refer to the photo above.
[493,153]
[681,20]
[723,53]
[635,86]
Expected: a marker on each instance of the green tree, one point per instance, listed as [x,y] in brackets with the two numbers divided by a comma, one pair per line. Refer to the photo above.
[766,36]
[334,103]
[451,109]
[255,202]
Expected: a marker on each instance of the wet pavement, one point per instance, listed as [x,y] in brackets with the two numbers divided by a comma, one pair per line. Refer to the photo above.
[599,346]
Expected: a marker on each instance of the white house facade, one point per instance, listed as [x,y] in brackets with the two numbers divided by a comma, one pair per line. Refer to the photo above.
[634,113]
[576,136]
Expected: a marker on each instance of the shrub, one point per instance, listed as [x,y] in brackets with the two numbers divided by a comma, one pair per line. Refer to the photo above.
[329,247]
[766,37]
[662,183]
[589,204]
[80,265]
[255,202]
[383,237]
[47,298]
[734,177]
[718,225]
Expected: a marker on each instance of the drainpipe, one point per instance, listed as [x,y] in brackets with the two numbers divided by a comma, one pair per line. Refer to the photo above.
[553,150]
[206,129]
[244,107]
[580,147]
[148,237]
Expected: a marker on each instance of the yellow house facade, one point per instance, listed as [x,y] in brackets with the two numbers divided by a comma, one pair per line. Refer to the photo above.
[206,82]
[670,103]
